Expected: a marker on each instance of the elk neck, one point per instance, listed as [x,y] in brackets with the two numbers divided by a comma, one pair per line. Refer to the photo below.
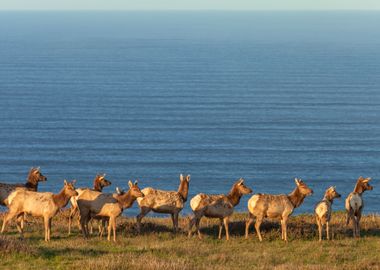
[126,200]
[183,190]
[234,196]
[61,199]
[296,197]
[32,182]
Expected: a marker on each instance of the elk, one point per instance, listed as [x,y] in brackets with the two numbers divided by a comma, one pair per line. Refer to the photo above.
[275,206]
[323,211]
[38,204]
[166,202]
[354,204]
[217,206]
[34,177]
[99,183]
[94,204]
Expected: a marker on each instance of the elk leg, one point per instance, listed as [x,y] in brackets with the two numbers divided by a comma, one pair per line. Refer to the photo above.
[226,220]
[49,228]
[143,212]
[328,230]
[109,229]
[285,220]
[46,225]
[20,225]
[258,222]
[248,224]
[319,228]
[220,228]
[359,217]
[7,218]
[191,224]
[91,226]
[175,221]
[73,211]
[197,221]
[113,222]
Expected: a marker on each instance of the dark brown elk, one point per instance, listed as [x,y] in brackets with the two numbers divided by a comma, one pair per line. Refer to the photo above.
[34,177]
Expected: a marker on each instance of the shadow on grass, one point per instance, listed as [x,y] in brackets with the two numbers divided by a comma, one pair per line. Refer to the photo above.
[50,253]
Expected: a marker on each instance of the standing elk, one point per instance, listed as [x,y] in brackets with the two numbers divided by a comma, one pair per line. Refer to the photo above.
[217,206]
[323,211]
[354,204]
[38,204]
[275,206]
[99,183]
[34,177]
[94,204]
[166,202]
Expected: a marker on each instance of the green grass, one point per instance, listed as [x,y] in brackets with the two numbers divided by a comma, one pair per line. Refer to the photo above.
[157,247]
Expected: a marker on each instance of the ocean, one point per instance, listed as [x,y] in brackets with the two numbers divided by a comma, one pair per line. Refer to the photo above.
[267,96]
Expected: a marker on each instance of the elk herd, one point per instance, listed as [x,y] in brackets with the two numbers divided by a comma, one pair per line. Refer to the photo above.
[92,204]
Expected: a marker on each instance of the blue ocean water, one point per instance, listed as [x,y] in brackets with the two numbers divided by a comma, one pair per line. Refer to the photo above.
[267,96]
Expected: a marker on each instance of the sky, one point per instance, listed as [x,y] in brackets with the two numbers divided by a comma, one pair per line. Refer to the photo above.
[189,4]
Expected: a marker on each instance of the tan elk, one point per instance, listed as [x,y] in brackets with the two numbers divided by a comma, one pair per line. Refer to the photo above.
[354,204]
[217,206]
[94,204]
[38,204]
[34,177]
[275,206]
[323,211]
[99,183]
[166,202]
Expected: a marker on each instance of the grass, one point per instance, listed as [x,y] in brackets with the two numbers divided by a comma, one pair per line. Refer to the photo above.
[157,247]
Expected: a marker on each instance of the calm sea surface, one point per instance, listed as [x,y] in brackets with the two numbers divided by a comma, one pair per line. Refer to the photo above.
[267,96]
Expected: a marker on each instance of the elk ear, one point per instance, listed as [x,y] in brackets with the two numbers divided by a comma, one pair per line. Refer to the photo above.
[130,184]
[118,191]
[297,181]
[136,182]
[188,178]
[240,181]
[367,180]
[181,177]
[65,182]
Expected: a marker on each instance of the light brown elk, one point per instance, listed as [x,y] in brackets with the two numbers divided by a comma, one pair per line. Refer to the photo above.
[94,204]
[38,204]
[34,177]
[323,211]
[217,206]
[99,183]
[166,202]
[275,206]
[354,204]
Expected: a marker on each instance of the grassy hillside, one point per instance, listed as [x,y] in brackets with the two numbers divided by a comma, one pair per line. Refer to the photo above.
[158,247]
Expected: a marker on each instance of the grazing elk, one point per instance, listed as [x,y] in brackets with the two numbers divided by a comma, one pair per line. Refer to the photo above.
[166,202]
[99,183]
[31,184]
[354,204]
[275,206]
[94,204]
[217,206]
[38,204]
[323,211]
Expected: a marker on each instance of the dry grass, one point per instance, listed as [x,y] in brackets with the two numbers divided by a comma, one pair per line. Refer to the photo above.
[157,247]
